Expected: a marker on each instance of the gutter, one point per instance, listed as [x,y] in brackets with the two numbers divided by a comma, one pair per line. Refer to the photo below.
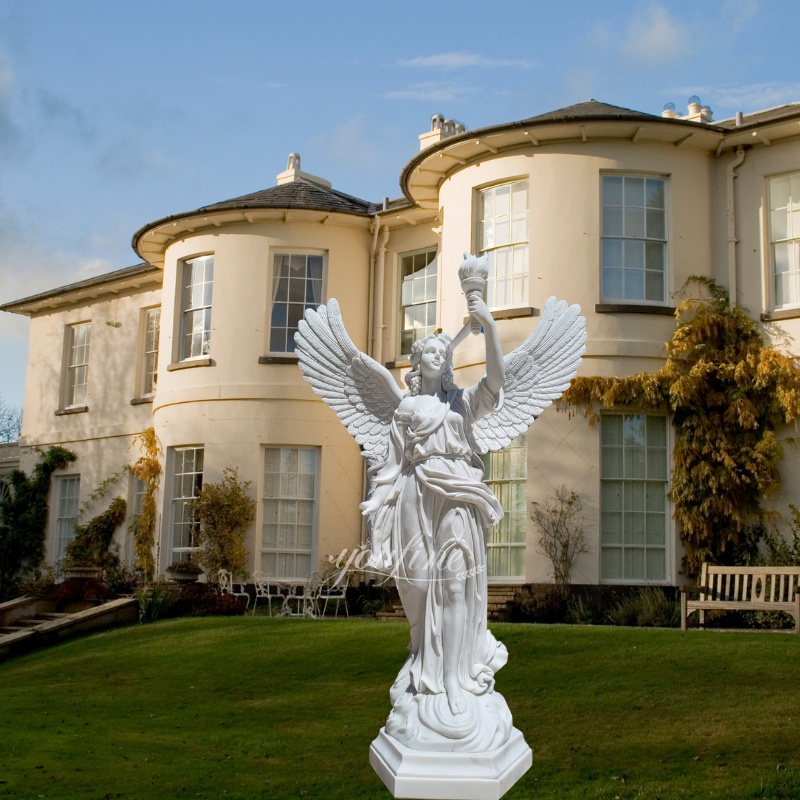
[730,175]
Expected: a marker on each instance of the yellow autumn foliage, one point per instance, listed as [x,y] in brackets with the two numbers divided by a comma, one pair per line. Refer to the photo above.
[727,390]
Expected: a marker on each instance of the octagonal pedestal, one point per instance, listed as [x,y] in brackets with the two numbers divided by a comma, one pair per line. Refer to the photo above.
[449,776]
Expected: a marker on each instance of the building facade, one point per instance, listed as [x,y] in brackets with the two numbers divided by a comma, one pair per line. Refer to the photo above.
[606,207]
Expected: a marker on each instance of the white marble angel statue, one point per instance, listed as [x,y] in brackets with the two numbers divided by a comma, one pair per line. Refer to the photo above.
[428,509]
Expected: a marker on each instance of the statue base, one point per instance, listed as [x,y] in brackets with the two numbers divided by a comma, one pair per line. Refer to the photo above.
[426,775]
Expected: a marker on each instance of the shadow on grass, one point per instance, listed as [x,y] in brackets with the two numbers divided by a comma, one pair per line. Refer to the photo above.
[276,708]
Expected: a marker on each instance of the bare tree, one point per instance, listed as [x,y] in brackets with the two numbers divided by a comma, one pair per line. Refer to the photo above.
[559,523]
[10,422]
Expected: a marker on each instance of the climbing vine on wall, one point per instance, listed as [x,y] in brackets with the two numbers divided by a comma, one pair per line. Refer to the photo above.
[728,390]
[148,469]
[23,518]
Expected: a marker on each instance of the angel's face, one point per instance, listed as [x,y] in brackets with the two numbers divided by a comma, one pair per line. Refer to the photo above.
[433,357]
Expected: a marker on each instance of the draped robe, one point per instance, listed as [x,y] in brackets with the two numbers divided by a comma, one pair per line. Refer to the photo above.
[438,502]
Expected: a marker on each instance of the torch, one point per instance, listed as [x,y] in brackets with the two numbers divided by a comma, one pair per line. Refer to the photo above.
[473,273]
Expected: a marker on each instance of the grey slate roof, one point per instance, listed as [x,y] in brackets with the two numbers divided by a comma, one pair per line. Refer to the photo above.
[592,110]
[298,193]
[768,115]
[118,274]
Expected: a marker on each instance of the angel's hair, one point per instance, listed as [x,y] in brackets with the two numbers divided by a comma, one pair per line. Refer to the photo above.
[414,378]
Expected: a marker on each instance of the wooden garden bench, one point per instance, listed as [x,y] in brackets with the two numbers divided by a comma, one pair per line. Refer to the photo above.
[744,589]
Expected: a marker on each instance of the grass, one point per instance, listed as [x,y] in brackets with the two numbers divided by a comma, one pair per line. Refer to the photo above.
[276,708]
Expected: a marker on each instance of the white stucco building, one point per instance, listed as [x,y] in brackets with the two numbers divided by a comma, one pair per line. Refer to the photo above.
[599,205]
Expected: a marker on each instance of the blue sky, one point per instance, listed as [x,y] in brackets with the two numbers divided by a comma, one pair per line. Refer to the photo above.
[113,114]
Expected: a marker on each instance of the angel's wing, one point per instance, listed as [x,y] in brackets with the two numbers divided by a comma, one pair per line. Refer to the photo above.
[363,393]
[537,372]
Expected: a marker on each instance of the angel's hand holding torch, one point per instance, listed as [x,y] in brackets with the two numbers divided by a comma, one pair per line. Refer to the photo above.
[473,274]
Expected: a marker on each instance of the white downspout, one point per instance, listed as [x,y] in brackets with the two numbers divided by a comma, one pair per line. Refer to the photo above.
[379,280]
[375,226]
[732,240]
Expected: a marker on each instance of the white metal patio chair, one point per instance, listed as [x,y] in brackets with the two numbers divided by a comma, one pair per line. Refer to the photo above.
[227,586]
[266,591]
[334,590]
[301,600]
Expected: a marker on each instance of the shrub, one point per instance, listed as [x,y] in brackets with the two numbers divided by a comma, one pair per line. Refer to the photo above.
[148,470]
[728,388]
[154,601]
[539,603]
[92,545]
[223,510]
[649,607]
[23,519]
[77,590]
[559,523]
[201,600]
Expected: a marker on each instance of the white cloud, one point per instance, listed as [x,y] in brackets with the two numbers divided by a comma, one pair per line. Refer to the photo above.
[128,157]
[27,268]
[754,97]
[736,14]
[9,130]
[351,146]
[654,37]
[432,92]
[460,60]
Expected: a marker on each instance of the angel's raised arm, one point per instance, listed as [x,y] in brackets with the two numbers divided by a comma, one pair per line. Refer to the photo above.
[361,391]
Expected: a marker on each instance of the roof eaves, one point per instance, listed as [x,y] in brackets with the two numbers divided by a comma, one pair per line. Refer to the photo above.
[98,280]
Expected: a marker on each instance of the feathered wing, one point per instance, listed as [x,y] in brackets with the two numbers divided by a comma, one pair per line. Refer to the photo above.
[360,390]
[538,372]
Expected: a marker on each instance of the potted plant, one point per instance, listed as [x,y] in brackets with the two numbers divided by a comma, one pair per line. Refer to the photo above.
[184,571]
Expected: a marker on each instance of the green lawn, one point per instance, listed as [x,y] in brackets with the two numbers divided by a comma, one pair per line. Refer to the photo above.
[276,708]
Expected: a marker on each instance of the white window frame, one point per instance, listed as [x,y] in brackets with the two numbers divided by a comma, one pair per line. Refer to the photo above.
[790,240]
[617,506]
[618,247]
[293,308]
[180,514]
[426,303]
[78,346]
[150,326]
[510,253]
[501,537]
[281,497]
[196,298]
[67,505]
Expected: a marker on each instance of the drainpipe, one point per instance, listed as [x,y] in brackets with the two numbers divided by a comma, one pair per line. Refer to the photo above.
[379,275]
[375,226]
[730,175]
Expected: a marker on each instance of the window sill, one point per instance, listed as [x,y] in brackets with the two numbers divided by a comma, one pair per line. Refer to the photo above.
[138,401]
[511,313]
[205,361]
[63,412]
[287,359]
[634,308]
[783,313]
[399,363]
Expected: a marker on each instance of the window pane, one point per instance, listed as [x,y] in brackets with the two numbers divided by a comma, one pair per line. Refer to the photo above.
[634,211]
[634,222]
[612,190]
[633,509]
[506,476]
[634,192]
[654,286]
[297,286]
[655,224]
[504,236]
[287,538]
[418,295]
